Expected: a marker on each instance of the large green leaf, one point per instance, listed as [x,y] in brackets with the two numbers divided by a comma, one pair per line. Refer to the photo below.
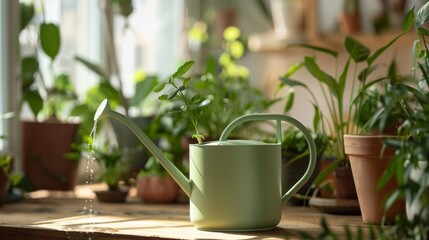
[26,14]
[377,53]
[50,39]
[321,76]
[92,66]
[357,50]
[143,88]
[422,15]
[34,100]
[183,69]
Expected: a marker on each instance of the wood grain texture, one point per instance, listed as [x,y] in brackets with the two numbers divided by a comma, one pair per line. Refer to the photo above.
[53,219]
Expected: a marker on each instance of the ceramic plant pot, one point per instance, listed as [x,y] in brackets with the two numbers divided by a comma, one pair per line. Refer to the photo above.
[368,162]
[44,147]
[157,189]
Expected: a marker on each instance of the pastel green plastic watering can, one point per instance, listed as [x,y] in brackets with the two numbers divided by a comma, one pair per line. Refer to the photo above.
[234,185]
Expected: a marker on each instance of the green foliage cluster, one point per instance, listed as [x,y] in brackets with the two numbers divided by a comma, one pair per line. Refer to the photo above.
[340,118]
[52,93]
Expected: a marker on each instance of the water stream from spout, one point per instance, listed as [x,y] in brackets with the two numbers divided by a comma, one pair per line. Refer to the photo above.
[88,231]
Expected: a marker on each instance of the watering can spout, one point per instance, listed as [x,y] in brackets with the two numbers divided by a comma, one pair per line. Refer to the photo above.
[104,110]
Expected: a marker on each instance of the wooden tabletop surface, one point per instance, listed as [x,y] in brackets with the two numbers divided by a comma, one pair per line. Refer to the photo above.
[61,218]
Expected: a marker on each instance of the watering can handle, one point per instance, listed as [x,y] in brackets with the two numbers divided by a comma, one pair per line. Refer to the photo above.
[279,118]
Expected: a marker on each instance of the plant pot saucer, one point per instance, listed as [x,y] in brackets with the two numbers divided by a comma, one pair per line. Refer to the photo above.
[335,205]
[117,196]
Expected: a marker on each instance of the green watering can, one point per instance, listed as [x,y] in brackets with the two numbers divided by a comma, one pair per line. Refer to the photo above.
[234,185]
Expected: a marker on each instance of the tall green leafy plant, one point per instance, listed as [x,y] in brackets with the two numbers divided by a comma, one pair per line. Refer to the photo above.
[49,92]
[343,110]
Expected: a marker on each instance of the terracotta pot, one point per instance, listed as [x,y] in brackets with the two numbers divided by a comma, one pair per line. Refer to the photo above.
[44,147]
[349,23]
[157,189]
[368,163]
[112,196]
[344,184]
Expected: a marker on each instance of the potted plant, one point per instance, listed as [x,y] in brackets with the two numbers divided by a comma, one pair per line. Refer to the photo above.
[227,86]
[113,173]
[410,164]
[153,183]
[341,119]
[50,95]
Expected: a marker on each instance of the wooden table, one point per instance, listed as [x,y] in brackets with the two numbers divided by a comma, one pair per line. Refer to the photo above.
[61,218]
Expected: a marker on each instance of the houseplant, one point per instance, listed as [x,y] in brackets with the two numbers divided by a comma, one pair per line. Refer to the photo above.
[50,95]
[153,182]
[410,164]
[340,120]
[113,173]
[226,84]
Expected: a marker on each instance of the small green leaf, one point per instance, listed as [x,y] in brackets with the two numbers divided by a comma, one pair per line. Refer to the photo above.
[50,39]
[26,14]
[183,69]
[181,88]
[34,100]
[163,97]
[316,118]
[293,69]
[422,15]
[423,31]
[159,87]
[356,50]
[290,96]
[408,22]
[29,67]
[195,98]
[205,103]
[172,94]
[186,82]
[392,199]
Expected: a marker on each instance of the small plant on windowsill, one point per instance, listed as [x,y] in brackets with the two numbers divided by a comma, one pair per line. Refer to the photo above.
[190,106]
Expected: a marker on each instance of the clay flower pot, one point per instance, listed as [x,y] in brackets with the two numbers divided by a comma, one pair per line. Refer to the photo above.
[157,189]
[368,162]
[344,183]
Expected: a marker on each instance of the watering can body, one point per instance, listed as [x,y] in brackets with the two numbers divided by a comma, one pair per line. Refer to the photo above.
[234,185]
